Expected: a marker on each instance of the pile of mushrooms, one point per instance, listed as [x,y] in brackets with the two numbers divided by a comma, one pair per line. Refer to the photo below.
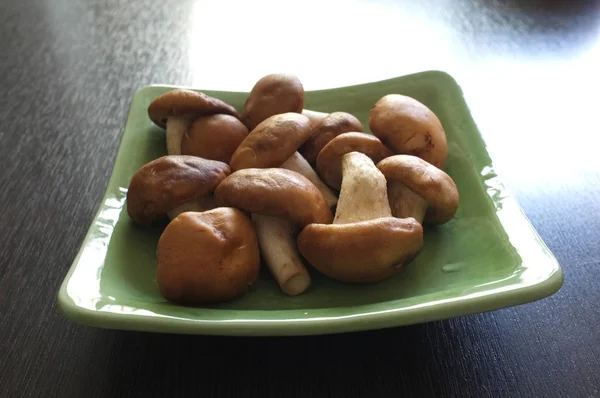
[290,188]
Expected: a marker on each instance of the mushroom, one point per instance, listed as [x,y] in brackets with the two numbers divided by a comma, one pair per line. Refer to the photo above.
[331,126]
[213,137]
[329,161]
[407,126]
[272,95]
[274,143]
[207,257]
[418,189]
[365,243]
[275,192]
[281,201]
[176,109]
[172,184]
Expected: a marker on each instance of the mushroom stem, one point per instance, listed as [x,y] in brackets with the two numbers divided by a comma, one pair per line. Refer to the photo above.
[202,204]
[314,116]
[279,250]
[363,195]
[405,203]
[297,163]
[175,130]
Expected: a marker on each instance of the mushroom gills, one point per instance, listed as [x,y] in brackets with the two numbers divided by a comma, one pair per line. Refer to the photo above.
[404,202]
[175,130]
[199,205]
[297,163]
[363,194]
[279,250]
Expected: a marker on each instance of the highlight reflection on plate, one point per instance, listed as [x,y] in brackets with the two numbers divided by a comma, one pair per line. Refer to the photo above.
[488,257]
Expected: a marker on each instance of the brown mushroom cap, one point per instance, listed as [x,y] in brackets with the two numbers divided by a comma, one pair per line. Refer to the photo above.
[272,142]
[207,257]
[274,192]
[427,181]
[214,137]
[331,126]
[184,102]
[329,161]
[361,252]
[407,126]
[271,95]
[170,181]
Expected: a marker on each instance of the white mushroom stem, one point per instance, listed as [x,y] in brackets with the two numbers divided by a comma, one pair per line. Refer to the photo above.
[363,194]
[277,237]
[297,163]
[202,204]
[405,202]
[315,117]
[279,250]
[176,128]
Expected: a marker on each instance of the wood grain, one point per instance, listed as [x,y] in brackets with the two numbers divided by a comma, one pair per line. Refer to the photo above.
[67,74]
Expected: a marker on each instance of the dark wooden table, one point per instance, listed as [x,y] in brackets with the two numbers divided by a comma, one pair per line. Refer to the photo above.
[529,70]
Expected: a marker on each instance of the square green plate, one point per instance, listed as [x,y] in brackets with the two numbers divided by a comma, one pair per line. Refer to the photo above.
[488,257]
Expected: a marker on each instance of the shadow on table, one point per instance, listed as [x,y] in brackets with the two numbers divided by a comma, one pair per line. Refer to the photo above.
[525,27]
[427,360]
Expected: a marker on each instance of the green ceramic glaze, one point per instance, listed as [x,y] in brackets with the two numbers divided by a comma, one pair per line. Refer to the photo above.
[487,257]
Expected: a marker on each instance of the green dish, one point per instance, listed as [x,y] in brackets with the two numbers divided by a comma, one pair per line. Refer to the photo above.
[488,257]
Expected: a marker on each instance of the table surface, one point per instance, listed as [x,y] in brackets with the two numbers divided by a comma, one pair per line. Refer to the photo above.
[68,71]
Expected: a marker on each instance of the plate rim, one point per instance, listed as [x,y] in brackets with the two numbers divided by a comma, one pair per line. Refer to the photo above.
[457,306]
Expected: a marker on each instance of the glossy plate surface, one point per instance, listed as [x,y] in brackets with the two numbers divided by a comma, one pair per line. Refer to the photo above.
[488,257]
